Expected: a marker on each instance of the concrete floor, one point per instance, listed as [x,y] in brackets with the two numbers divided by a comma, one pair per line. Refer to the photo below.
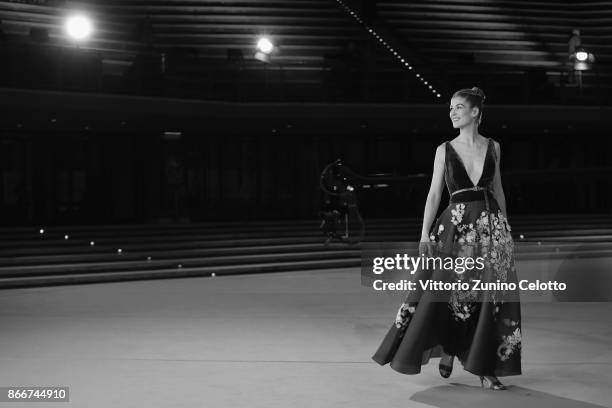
[299,339]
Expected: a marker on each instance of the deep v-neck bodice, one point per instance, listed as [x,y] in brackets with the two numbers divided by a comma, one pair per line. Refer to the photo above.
[456,175]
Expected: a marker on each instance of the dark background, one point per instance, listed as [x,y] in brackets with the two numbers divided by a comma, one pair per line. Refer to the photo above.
[84,129]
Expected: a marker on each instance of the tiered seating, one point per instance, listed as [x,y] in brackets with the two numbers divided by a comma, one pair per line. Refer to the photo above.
[202,41]
[513,43]
[518,50]
[29,258]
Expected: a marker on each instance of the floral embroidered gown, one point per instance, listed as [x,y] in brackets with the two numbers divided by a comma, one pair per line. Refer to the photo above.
[481,328]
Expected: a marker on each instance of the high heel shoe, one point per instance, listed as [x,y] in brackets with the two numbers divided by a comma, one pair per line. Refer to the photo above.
[446,365]
[492,383]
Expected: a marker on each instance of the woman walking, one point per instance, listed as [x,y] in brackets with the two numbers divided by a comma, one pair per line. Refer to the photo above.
[480,328]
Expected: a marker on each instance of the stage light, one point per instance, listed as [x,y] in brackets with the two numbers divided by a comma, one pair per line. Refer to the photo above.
[65,236]
[119,251]
[582,59]
[265,45]
[79,27]
[42,231]
[264,49]
[213,274]
[92,243]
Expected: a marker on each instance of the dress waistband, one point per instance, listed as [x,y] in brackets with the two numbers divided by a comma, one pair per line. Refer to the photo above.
[476,193]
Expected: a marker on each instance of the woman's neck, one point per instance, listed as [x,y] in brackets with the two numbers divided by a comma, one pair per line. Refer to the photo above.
[469,135]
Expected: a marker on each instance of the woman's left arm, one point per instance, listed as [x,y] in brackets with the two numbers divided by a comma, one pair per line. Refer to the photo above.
[498,191]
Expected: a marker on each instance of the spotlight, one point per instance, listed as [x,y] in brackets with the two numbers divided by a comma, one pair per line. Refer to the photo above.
[265,45]
[78,27]
[264,49]
[582,59]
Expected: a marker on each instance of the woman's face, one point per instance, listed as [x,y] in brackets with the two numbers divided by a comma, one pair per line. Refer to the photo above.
[461,113]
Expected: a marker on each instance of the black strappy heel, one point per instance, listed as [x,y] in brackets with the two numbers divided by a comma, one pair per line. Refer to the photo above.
[446,365]
[492,383]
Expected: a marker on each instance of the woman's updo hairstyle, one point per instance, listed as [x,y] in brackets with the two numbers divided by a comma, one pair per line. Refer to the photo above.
[476,97]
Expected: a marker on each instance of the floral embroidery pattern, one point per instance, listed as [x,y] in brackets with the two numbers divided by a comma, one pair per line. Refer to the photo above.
[509,345]
[497,248]
[403,315]
[458,213]
[463,304]
[468,234]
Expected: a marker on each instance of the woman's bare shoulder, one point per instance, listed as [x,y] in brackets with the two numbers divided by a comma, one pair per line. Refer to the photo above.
[440,156]
[495,143]
[441,150]
[496,146]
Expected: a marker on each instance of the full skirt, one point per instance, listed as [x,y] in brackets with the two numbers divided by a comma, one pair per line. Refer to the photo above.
[481,328]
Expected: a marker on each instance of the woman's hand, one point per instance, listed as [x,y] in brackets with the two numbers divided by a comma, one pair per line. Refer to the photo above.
[425,247]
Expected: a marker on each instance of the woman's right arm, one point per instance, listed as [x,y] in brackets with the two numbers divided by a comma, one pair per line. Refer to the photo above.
[435,193]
